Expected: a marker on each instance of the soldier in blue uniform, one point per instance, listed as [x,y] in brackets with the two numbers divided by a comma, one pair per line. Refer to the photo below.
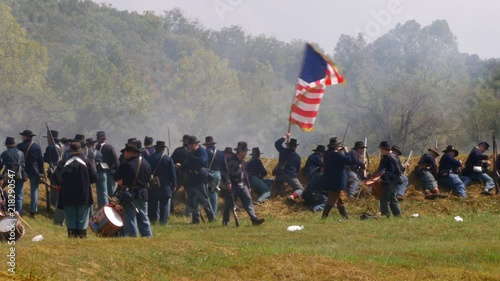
[427,171]
[179,156]
[256,173]
[149,149]
[216,164]
[133,175]
[313,162]
[75,176]
[476,167]
[289,164]
[354,170]
[34,166]
[335,176]
[90,150]
[13,159]
[196,167]
[53,154]
[131,141]
[316,193]
[159,198]
[228,152]
[390,180]
[239,185]
[401,188]
[110,159]
[448,172]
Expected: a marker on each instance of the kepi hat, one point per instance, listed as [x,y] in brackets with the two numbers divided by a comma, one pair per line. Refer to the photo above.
[10,141]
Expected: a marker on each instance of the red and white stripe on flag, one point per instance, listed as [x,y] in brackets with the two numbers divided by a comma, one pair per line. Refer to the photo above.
[308,97]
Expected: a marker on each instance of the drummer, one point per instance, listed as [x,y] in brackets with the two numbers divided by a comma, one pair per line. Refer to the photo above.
[74,177]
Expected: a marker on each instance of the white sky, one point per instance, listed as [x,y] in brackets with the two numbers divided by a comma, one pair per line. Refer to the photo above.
[475,23]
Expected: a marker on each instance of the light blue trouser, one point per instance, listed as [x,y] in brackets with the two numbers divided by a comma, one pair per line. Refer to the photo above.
[213,195]
[428,180]
[400,189]
[456,183]
[101,188]
[388,201]
[77,216]
[488,182]
[197,194]
[34,182]
[241,192]
[292,181]
[110,182]
[133,221]
[352,184]
[261,186]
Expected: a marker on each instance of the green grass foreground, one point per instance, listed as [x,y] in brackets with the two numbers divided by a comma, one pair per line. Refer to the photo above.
[431,247]
[428,247]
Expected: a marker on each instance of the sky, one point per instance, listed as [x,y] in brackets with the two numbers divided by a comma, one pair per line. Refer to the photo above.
[323,21]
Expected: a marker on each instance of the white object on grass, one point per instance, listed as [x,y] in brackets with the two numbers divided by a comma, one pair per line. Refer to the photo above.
[458,218]
[37,238]
[415,215]
[295,228]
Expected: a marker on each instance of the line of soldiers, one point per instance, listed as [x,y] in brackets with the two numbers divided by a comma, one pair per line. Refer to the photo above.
[204,172]
[337,169]
[453,173]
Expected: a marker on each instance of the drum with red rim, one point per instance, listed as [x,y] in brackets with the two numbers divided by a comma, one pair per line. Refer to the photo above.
[107,221]
[11,229]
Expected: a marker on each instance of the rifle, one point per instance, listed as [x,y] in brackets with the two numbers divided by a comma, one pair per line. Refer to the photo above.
[345,133]
[236,219]
[495,167]
[268,160]
[47,185]
[168,148]
[407,163]
[365,159]
[50,140]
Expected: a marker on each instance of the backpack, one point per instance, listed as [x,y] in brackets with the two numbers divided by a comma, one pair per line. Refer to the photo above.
[17,168]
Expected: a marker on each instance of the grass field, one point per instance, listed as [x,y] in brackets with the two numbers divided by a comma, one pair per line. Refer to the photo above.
[431,247]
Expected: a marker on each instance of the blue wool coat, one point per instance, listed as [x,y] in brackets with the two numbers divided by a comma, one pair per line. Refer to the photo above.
[165,170]
[335,175]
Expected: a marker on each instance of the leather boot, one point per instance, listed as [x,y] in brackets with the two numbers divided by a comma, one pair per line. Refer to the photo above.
[343,212]
[72,233]
[326,211]
[82,233]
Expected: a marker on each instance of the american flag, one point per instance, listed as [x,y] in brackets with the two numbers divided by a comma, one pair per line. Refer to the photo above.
[317,73]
